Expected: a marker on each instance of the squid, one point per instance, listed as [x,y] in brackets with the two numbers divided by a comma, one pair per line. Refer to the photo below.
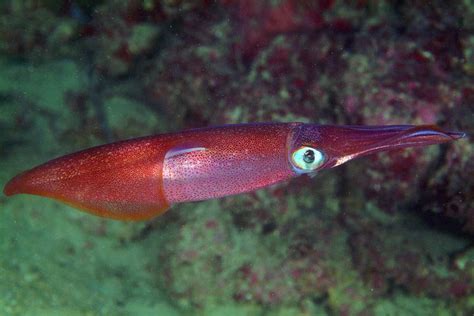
[141,178]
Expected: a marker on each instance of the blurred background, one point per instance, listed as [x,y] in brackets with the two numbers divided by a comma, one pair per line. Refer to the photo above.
[390,234]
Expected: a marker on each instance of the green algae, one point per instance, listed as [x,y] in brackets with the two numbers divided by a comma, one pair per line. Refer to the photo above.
[55,260]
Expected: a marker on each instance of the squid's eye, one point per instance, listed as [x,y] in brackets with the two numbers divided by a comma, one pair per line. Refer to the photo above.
[307,159]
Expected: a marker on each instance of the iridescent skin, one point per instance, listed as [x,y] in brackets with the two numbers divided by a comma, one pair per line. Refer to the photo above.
[140,178]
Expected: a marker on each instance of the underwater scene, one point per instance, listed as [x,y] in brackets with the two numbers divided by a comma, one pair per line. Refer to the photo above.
[347,187]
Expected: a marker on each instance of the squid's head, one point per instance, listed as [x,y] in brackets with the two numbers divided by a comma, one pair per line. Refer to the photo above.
[315,147]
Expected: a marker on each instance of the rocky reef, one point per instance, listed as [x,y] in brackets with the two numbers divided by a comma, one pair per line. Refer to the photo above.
[389,234]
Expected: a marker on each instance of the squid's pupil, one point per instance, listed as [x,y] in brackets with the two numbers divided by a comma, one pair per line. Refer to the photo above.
[308,156]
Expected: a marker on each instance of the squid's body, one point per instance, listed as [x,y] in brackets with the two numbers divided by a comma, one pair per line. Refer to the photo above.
[140,178]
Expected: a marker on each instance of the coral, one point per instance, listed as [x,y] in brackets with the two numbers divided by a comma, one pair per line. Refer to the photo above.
[259,22]
[451,190]
[386,268]
[210,249]
[401,91]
